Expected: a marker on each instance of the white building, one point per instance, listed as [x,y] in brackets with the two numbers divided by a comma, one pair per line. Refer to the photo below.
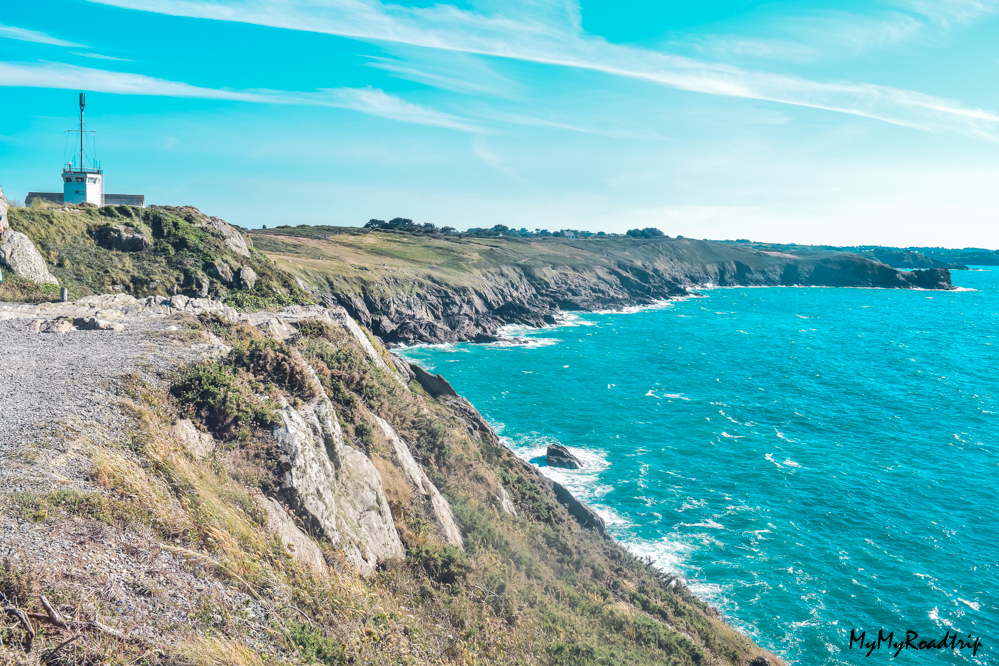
[80,184]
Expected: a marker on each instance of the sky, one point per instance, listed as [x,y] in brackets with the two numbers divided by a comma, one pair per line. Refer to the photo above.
[814,121]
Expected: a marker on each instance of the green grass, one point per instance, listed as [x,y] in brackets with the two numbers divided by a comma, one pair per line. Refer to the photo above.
[183,253]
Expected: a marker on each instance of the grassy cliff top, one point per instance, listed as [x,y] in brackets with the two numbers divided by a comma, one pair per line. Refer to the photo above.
[149,252]
[348,258]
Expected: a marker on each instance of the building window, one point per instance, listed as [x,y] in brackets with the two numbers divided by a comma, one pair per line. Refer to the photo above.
[69,180]
[91,180]
[79,180]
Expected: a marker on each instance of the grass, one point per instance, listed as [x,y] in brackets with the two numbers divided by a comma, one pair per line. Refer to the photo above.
[182,253]
[16,290]
[530,589]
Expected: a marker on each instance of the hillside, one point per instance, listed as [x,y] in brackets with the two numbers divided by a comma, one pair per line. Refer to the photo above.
[417,288]
[154,251]
[195,486]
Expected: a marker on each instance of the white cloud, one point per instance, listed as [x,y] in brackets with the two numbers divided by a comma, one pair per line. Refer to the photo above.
[550,33]
[947,12]
[98,56]
[482,151]
[25,35]
[365,100]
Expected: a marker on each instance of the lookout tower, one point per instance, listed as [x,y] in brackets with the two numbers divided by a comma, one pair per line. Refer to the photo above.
[82,184]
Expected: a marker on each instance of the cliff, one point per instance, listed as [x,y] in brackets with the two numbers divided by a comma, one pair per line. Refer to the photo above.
[408,288]
[182,483]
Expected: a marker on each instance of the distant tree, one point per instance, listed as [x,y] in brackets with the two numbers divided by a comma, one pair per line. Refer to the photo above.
[647,232]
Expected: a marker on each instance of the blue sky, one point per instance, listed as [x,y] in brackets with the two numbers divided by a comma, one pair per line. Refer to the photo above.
[812,122]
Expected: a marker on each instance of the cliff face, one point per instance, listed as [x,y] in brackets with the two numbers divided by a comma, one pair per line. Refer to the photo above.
[410,289]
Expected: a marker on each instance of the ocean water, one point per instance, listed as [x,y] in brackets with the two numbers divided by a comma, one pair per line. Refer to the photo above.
[812,461]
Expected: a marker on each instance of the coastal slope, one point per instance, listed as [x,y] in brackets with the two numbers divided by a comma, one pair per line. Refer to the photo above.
[181,483]
[409,289]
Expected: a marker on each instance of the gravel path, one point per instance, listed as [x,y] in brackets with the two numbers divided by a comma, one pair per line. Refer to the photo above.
[58,390]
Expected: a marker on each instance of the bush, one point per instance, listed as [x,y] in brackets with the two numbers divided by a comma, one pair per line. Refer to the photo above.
[444,564]
[273,360]
[315,647]
[224,402]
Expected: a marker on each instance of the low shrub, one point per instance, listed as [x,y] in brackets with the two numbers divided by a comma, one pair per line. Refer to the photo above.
[224,400]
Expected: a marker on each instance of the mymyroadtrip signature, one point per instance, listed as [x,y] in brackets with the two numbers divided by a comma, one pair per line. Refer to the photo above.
[948,642]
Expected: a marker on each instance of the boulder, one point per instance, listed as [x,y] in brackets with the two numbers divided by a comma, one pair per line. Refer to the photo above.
[18,254]
[760,661]
[559,456]
[435,385]
[403,368]
[62,325]
[233,239]
[4,206]
[246,277]
[95,324]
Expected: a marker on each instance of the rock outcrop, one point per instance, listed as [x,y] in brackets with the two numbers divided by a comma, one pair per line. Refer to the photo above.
[246,278]
[437,505]
[4,207]
[332,487]
[233,239]
[124,238]
[301,547]
[559,456]
[19,254]
[435,385]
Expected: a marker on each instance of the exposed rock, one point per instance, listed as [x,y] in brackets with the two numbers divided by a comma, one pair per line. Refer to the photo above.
[4,206]
[760,661]
[506,504]
[338,315]
[222,272]
[435,385]
[18,253]
[333,487]
[302,548]
[439,507]
[94,324]
[276,328]
[403,368]
[61,325]
[233,239]
[246,277]
[559,456]
[123,238]
[199,444]
[508,290]
[582,513]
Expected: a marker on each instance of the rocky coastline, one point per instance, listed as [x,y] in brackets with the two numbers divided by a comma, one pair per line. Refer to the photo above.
[433,311]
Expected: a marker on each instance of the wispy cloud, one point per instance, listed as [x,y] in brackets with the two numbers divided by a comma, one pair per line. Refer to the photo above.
[98,56]
[364,100]
[481,149]
[550,33]
[25,35]
[948,12]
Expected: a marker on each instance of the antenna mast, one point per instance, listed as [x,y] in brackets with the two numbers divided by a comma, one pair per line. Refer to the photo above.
[83,102]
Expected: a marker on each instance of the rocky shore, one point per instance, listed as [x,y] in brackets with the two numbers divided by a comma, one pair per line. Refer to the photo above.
[434,310]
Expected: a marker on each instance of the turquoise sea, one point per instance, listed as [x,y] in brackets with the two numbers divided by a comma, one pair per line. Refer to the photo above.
[812,461]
